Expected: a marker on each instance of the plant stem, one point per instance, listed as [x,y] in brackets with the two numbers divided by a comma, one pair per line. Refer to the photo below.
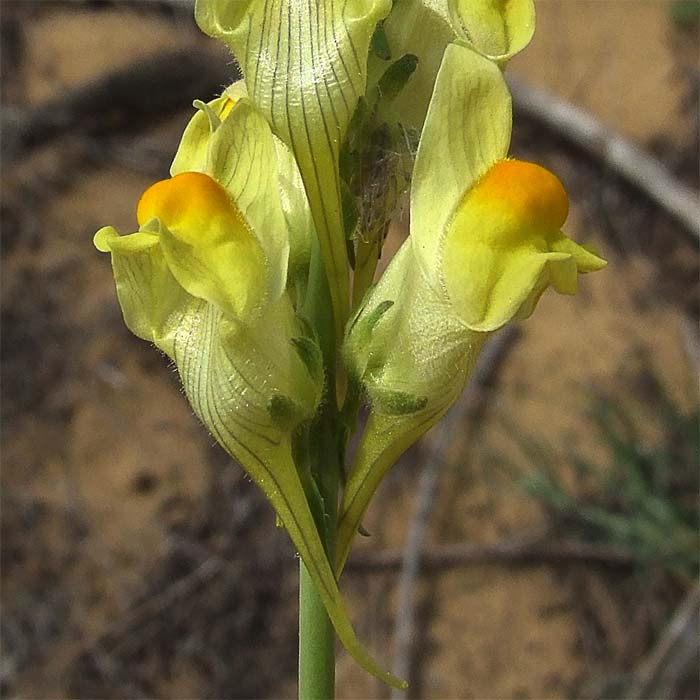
[316,643]
[316,633]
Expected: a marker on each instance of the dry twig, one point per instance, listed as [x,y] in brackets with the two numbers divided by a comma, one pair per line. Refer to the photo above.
[526,551]
[677,649]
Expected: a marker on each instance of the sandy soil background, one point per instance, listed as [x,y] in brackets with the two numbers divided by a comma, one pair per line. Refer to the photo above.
[138,561]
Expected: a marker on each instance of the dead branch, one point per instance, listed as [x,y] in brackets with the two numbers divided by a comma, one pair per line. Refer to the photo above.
[611,150]
[529,552]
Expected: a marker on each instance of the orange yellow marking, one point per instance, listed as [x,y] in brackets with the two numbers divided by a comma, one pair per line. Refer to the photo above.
[532,194]
[193,204]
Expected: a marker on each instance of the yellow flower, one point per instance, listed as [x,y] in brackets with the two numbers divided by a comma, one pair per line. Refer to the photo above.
[486,228]
[505,245]
[205,279]
[207,244]
[485,243]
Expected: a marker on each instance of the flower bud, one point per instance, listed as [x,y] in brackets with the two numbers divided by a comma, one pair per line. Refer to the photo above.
[497,30]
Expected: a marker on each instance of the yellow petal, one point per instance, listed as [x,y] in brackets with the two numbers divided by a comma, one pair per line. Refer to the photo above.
[587,260]
[488,286]
[504,246]
[466,131]
[195,206]
[563,275]
[242,159]
[149,295]
[207,243]
[517,197]
[193,150]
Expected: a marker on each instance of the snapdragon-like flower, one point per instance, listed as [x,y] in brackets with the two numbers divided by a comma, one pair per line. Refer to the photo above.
[193,154]
[485,243]
[205,279]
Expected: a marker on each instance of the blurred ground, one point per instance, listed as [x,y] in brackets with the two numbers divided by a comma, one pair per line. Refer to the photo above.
[137,561]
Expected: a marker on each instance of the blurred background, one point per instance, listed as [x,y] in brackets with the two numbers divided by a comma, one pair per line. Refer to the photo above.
[541,543]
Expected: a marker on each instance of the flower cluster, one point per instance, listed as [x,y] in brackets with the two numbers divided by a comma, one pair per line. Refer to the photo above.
[261,218]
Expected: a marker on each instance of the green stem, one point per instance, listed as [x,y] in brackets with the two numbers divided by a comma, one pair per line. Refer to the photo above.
[316,643]
[366,259]
[319,312]
[316,634]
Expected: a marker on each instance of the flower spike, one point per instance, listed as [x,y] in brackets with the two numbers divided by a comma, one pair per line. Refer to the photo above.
[240,268]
